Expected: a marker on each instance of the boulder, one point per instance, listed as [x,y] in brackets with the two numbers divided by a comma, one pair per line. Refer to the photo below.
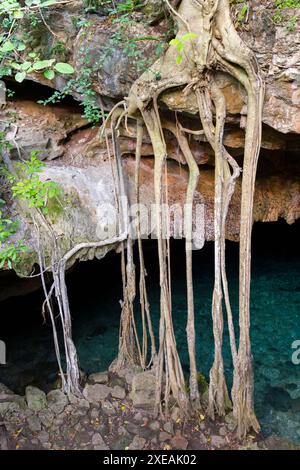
[57,401]
[34,423]
[36,398]
[118,392]
[95,393]
[143,390]
[98,378]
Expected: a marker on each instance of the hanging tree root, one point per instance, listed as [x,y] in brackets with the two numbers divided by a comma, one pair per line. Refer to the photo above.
[216,47]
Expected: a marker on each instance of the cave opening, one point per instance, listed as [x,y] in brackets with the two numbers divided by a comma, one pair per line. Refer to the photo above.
[95,289]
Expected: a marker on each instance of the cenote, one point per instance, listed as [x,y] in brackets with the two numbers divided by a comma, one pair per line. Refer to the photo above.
[95,290]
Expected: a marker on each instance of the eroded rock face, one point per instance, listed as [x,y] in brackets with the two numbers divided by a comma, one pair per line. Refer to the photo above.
[88,211]
[95,42]
[116,57]
[277,49]
[29,126]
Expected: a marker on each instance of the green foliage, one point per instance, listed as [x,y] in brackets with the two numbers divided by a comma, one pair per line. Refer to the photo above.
[282,6]
[20,56]
[127,6]
[243,13]
[4,144]
[10,253]
[15,56]
[240,12]
[179,43]
[27,186]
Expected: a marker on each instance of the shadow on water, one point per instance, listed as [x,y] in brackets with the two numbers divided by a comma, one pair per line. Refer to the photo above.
[95,290]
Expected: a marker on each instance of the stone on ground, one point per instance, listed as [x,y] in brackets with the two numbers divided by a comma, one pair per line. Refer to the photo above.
[179,442]
[138,443]
[143,390]
[36,398]
[95,393]
[118,392]
[98,442]
[57,401]
[98,378]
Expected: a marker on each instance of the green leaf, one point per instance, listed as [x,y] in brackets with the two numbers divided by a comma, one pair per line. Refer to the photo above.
[18,14]
[49,74]
[16,66]
[20,76]
[26,65]
[48,3]
[43,64]
[189,36]
[32,55]
[174,42]
[21,47]
[178,59]
[62,67]
[8,46]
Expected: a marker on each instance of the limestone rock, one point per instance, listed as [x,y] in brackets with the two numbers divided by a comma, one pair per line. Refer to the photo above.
[118,392]
[138,443]
[5,390]
[10,401]
[164,436]
[36,398]
[108,408]
[217,441]
[8,407]
[39,128]
[104,45]
[179,442]
[128,373]
[155,426]
[143,390]
[57,401]
[43,437]
[98,378]
[46,416]
[96,392]
[98,442]
[34,423]
[169,427]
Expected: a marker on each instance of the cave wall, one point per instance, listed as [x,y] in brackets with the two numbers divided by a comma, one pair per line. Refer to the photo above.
[70,145]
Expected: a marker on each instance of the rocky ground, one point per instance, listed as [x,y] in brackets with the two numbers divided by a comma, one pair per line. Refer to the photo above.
[115,413]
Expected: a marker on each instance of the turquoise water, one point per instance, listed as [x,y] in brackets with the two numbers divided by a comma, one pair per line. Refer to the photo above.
[95,289]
